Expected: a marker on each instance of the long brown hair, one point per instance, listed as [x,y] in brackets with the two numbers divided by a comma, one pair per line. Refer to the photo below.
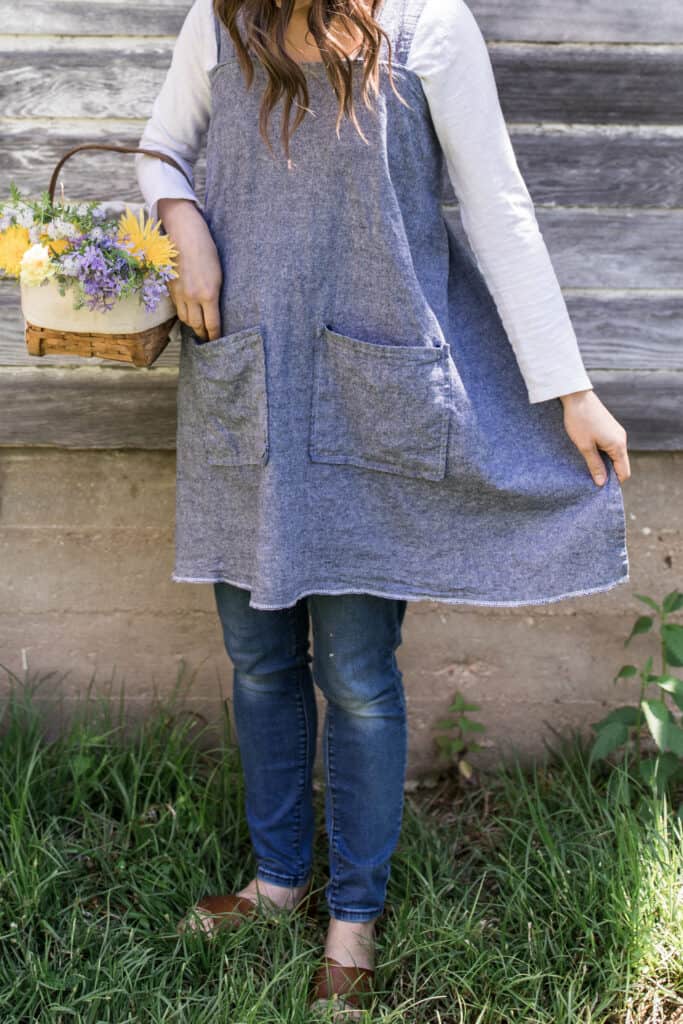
[265,23]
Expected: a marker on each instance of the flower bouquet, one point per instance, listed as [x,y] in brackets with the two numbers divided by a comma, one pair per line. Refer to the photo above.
[91,284]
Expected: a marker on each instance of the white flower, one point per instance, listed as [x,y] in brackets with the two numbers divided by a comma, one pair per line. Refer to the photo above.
[34,232]
[24,216]
[35,265]
[69,266]
[61,228]
[82,209]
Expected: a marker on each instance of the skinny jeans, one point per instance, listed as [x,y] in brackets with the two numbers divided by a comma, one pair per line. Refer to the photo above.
[364,737]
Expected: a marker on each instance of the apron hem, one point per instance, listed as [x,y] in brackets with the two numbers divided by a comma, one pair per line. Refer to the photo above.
[599,588]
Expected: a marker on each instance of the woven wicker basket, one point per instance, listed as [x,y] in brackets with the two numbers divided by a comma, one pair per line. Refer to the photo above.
[128,333]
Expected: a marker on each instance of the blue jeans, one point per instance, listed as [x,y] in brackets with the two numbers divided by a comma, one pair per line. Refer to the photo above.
[365,746]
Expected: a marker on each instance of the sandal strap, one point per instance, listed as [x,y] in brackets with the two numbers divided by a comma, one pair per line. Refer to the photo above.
[230,903]
[334,979]
[229,909]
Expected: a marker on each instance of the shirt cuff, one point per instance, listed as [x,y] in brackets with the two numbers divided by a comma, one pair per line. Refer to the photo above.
[560,384]
[157,180]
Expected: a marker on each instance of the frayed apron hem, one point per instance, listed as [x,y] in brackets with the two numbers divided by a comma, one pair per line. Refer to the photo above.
[404,596]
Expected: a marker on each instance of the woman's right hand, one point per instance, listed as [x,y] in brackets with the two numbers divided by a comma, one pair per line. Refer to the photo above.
[196,290]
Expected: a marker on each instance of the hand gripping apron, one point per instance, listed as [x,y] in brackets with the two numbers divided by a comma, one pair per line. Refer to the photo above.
[362,424]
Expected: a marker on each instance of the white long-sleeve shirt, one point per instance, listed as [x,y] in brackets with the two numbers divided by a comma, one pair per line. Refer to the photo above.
[450,56]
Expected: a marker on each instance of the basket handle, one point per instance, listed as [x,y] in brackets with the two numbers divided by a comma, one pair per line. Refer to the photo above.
[117,149]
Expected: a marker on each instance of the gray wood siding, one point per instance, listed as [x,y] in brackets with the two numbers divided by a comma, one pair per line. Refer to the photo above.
[592,91]
[659,21]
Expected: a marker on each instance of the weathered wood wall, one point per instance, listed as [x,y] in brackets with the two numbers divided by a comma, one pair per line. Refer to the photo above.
[593,94]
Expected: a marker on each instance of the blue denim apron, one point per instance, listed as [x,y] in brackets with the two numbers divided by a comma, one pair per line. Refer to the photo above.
[362,424]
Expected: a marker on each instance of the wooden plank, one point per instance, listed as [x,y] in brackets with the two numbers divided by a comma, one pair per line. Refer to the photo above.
[88,407]
[32,148]
[598,165]
[659,21]
[627,249]
[577,83]
[618,21]
[93,17]
[628,331]
[648,405]
[615,330]
[100,407]
[621,249]
[589,84]
[592,165]
[103,79]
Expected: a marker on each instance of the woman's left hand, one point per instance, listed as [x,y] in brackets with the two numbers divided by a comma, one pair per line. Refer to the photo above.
[591,425]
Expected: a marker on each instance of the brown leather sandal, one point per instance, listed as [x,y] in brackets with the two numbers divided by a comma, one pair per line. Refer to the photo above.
[350,988]
[231,910]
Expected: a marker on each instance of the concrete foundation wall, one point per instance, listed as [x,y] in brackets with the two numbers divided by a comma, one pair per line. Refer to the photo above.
[86,552]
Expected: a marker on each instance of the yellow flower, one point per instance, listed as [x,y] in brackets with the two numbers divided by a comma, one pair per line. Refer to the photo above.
[145,240]
[14,241]
[56,245]
[35,265]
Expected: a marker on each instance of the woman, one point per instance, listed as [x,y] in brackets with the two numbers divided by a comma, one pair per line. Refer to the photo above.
[368,413]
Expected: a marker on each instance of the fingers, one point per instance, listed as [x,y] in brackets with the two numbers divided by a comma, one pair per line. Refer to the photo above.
[204,319]
[195,319]
[594,430]
[202,315]
[617,452]
[622,465]
[595,464]
[212,319]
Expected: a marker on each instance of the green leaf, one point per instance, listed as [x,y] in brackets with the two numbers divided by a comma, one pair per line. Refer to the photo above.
[444,723]
[659,719]
[674,686]
[667,766]
[81,764]
[658,771]
[626,671]
[673,602]
[643,624]
[674,737]
[469,725]
[627,715]
[672,635]
[648,601]
[646,770]
[458,702]
[609,738]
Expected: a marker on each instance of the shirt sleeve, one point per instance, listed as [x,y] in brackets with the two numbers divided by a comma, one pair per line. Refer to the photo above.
[449,54]
[180,113]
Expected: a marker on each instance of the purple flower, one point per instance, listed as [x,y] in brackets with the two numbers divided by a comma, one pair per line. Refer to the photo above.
[104,271]
[100,281]
[153,291]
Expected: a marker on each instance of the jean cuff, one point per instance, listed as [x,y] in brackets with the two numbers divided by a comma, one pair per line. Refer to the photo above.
[288,881]
[354,915]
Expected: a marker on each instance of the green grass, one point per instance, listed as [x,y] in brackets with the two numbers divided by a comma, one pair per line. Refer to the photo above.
[549,895]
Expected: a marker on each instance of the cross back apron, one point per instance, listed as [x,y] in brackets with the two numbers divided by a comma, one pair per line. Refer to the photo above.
[361,424]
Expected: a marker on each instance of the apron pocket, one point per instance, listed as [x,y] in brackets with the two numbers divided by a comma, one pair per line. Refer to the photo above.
[230,379]
[383,407]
